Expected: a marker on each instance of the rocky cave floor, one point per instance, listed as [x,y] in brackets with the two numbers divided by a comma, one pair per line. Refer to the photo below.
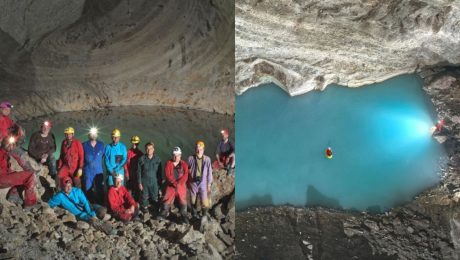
[426,228]
[56,234]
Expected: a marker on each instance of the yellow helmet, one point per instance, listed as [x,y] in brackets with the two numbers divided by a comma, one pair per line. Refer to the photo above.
[200,143]
[116,133]
[69,130]
[135,139]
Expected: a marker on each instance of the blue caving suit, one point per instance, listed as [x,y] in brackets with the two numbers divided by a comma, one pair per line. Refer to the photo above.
[75,202]
[115,159]
[93,164]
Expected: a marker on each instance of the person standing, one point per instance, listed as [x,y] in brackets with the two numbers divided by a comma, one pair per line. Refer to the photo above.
[93,174]
[149,177]
[200,179]
[134,153]
[71,160]
[176,175]
[115,157]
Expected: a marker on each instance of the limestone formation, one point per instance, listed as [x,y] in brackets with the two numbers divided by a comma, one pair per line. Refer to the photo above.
[306,45]
[64,55]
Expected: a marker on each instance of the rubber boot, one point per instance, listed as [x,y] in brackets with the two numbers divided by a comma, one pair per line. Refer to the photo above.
[144,209]
[204,219]
[136,215]
[205,212]
[164,212]
[183,213]
[194,213]
[155,208]
[15,199]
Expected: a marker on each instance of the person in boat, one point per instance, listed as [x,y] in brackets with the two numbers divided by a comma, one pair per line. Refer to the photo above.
[329,152]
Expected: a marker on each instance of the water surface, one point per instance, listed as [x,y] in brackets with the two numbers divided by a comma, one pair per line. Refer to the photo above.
[166,127]
[383,151]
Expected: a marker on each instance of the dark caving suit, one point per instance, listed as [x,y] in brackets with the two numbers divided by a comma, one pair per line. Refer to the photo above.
[150,176]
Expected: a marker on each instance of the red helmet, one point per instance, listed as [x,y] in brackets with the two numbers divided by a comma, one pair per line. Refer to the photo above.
[224,131]
[65,180]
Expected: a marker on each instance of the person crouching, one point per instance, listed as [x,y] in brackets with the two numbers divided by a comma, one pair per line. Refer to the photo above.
[121,202]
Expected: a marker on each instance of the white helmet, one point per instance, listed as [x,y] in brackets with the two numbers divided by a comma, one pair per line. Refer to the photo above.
[177,150]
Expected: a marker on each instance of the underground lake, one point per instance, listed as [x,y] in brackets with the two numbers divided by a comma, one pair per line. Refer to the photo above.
[383,151]
[166,127]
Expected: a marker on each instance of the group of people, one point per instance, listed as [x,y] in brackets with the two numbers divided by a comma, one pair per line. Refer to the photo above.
[135,182]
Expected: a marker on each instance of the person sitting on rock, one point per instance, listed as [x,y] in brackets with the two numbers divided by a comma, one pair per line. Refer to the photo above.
[72,159]
[438,127]
[200,179]
[93,171]
[149,176]
[176,175]
[74,200]
[16,179]
[42,146]
[115,157]
[121,203]
[134,153]
[225,153]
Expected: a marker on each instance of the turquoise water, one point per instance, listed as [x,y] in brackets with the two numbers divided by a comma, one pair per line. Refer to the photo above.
[383,151]
[166,127]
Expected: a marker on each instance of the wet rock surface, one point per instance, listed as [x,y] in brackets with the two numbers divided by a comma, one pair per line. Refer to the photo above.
[56,234]
[426,228]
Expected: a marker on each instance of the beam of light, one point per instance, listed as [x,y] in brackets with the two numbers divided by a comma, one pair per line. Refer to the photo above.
[414,130]
[418,128]
[46,123]
[11,140]
[410,130]
[93,131]
[410,124]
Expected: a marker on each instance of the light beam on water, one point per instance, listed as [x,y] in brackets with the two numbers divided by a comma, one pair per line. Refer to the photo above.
[380,135]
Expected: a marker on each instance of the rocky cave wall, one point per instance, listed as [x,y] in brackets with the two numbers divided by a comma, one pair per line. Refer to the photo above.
[62,55]
[306,45]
